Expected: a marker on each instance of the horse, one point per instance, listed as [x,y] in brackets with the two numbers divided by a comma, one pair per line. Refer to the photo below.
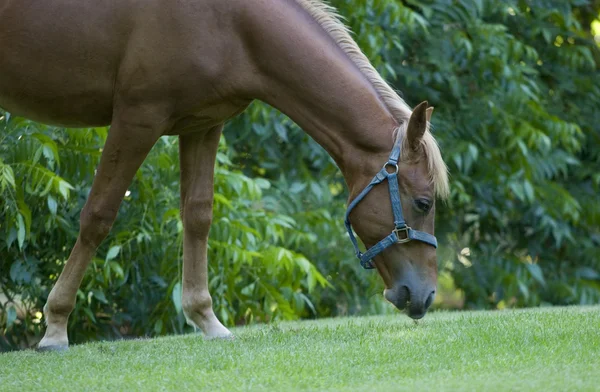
[183,68]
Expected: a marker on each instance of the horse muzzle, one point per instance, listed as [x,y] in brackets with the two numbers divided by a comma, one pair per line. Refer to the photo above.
[415,300]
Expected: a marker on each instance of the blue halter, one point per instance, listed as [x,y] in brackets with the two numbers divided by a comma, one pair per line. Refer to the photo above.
[402,233]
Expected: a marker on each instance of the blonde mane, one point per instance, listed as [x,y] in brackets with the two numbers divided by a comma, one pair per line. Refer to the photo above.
[327,17]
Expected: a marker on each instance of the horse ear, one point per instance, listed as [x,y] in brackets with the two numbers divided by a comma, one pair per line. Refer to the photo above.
[429,113]
[417,125]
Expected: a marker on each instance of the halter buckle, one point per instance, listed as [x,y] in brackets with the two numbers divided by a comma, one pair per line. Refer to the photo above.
[405,237]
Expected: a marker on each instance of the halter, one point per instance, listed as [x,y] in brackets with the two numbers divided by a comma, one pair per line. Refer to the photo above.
[402,233]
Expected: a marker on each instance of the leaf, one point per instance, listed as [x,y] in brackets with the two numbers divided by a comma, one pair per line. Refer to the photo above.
[158,326]
[16,271]
[297,187]
[90,314]
[176,296]
[588,273]
[52,205]
[113,252]
[309,303]
[11,317]
[64,188]
[116,267]
[536,273]
[524,290]
[281,131]
[517,190]
[8,174]
[21,231]
[528,190]
[99,295]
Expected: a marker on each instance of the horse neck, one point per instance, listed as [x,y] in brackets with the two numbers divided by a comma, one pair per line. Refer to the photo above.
[308,77]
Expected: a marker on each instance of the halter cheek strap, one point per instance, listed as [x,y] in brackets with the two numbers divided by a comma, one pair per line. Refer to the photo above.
[402,232]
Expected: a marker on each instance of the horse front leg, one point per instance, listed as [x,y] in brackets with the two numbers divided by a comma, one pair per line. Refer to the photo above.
[133,132]
[197,160]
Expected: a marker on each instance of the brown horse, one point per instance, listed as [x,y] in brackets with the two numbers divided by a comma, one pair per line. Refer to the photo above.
[160,67]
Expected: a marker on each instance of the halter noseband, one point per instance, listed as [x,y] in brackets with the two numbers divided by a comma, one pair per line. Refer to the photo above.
[402,232]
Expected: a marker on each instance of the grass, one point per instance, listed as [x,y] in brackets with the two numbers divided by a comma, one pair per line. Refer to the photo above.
[530,350]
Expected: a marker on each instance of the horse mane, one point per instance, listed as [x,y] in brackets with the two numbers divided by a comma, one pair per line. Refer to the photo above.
[326,16]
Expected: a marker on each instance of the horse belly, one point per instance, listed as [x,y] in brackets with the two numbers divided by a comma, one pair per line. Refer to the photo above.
[68,109]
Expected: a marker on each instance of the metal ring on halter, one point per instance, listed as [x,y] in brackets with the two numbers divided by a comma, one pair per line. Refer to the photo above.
[392,165]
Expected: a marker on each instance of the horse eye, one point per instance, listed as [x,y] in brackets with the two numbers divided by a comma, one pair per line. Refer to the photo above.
[423,205]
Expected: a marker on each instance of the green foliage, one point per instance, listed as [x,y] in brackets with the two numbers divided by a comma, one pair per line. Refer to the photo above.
[132,286]
[517,90]
[516,86]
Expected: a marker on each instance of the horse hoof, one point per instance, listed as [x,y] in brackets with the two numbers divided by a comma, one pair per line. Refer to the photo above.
[53,348]
[229,336]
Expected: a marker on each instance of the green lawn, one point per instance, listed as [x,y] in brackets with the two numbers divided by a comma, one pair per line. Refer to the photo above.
[542,349]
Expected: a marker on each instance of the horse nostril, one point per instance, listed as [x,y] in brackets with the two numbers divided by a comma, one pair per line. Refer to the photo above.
[429,300]
[402,298]
[407,290]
